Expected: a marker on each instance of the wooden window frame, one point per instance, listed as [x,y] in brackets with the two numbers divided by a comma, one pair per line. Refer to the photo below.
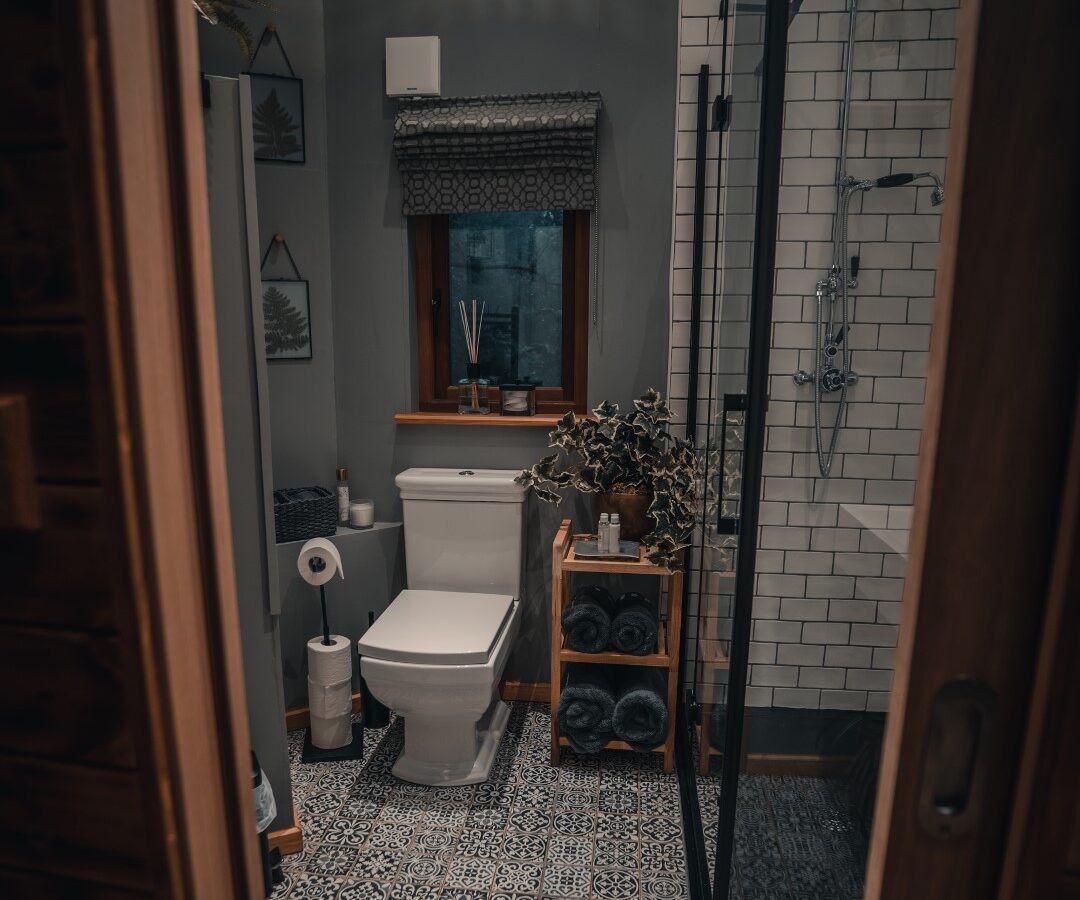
[431,270]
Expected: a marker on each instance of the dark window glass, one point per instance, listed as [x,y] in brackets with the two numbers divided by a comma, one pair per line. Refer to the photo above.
[513,262]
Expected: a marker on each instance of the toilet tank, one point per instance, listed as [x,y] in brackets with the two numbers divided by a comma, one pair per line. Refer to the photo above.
[463,529]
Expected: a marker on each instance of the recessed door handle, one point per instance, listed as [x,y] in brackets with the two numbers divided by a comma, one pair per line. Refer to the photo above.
[958,745]
[20,506]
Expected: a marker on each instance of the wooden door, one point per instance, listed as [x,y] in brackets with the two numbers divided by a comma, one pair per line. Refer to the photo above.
[123,751]
[992,513]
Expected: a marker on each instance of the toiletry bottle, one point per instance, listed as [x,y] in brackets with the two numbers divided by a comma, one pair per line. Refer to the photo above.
[613,534]
[602,534]
[343,496]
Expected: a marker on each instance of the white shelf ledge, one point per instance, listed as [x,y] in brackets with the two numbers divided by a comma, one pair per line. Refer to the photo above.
[344,533]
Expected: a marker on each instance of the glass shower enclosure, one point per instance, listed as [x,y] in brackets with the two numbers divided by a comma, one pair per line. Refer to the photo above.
[730,336]
[788,646]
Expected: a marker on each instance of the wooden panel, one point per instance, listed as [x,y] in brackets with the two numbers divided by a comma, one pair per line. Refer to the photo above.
[59,575]
[159,348]
[31,110]
[48,365]
[994,445]
[37,279]
[1044,841]
[20,509]
[288,840]
[527,691]
[35,189]
[70,702]
[72,820]
[17,884]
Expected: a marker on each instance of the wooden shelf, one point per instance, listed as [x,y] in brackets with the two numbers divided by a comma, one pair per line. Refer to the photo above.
[493,419]
[661,658]
[564,562]
[575,563]
[616,745]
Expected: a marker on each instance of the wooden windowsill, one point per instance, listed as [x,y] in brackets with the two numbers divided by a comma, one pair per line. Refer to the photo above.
[439,418]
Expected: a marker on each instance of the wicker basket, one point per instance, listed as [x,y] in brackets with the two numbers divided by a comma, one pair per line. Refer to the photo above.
[302,513]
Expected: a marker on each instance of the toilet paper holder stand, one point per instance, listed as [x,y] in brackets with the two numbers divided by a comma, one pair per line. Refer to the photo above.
[355,748]
[317,564]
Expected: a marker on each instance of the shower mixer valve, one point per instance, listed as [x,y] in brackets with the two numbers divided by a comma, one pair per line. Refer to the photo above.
[831,378]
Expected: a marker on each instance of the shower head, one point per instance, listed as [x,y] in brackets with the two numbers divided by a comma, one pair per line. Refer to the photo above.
[937,195]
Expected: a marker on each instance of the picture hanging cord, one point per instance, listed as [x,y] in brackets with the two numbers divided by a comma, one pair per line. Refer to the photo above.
[279,238]
[270,32]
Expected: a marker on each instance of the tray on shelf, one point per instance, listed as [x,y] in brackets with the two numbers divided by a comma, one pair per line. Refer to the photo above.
[588,549]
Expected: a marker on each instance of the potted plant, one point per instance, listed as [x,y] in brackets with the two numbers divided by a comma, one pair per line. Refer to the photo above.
[634,465]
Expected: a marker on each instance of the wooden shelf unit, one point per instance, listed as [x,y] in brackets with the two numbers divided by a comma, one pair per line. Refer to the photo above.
[564,562]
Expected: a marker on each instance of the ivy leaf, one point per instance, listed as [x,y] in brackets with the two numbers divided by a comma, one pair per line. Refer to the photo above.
[606,411]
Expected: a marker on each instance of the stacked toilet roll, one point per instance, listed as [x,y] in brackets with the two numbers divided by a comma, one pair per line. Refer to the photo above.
[329,686]
[329,665]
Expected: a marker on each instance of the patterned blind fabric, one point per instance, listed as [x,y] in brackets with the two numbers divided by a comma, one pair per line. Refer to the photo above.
[497,154]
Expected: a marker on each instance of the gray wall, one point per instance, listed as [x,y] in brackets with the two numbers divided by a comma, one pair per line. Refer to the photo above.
[229,208]
[623,48]
[293,201]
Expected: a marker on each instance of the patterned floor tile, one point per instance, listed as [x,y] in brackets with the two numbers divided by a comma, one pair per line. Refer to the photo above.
[593,827]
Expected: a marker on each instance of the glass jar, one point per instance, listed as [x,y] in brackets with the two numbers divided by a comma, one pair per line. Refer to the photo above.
[518,399]
[473,393]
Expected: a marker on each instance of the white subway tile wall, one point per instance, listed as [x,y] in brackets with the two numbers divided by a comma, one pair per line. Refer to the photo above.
[830,560]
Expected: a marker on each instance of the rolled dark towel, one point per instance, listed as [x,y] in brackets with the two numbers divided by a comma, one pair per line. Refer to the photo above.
[633,629]
[641,714]
[717,724]
[586,705]
[586,622]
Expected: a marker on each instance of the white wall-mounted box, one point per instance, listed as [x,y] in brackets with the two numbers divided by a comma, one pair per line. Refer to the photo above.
[412,67]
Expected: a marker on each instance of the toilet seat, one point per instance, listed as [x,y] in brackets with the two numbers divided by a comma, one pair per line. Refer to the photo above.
[438,628]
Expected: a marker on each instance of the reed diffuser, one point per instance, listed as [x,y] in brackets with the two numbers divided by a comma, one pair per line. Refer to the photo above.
[472,390]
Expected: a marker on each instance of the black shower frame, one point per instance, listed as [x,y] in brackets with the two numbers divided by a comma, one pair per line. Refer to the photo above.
[774,52]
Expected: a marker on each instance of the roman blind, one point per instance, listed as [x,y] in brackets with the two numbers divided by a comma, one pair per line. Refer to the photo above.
[496,154]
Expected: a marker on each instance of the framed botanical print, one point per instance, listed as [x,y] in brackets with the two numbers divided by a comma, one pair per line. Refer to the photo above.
[277,112]
[286,319]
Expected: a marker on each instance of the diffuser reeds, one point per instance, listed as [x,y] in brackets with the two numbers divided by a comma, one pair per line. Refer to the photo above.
[471,326]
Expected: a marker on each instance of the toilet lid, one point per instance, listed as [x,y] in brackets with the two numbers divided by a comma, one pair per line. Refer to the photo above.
[439,628]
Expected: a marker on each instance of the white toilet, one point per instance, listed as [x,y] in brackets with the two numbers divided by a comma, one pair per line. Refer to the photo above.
[438,652]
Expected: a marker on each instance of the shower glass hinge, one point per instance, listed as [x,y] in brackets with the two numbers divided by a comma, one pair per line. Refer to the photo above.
[721,113]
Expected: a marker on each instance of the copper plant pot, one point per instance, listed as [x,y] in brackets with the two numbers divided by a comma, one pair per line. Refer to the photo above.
[633,509]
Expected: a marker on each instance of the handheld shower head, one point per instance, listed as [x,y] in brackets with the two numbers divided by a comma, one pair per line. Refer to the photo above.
[937,196]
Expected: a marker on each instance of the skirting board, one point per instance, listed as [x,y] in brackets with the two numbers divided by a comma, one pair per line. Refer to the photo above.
[295,719]
[788,764]
[754,764]
[530,691]
[287,840]
[540,692]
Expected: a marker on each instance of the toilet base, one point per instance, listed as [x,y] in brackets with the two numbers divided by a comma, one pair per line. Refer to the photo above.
[435,753]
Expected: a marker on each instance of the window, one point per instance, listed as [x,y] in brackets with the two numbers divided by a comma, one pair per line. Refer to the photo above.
[532,270]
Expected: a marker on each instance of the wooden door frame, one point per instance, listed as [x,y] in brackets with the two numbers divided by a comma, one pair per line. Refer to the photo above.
[995,438]
[161,410]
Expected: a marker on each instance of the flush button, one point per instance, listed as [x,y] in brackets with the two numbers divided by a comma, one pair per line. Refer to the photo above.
[466,472]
